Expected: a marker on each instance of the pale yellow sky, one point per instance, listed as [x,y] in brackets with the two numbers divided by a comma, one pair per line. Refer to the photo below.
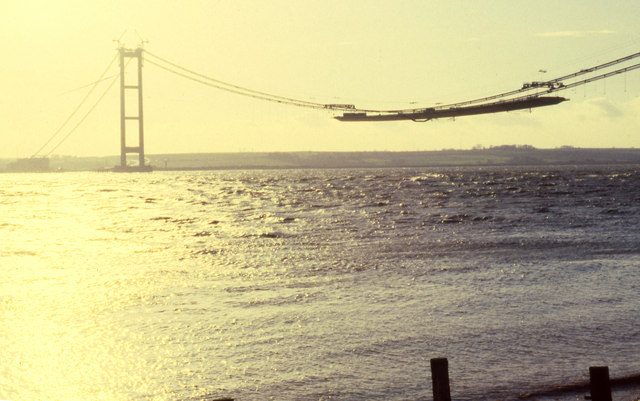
[375,54]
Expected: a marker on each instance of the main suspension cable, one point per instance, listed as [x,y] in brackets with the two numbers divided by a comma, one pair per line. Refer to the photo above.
[115,79]
[552,84]
[84,99]
[240,92]
[596,78]
[539,87]
[596,68]
[232,87]
[90,84]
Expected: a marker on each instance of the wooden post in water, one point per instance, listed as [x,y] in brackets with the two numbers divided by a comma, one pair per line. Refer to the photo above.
[599,383]
[440,379]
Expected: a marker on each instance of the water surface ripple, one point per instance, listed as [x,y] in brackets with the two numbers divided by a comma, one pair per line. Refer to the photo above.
[317,284]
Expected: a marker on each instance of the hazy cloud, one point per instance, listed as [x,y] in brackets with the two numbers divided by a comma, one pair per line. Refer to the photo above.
[607,107]
[574,34]
[347,43]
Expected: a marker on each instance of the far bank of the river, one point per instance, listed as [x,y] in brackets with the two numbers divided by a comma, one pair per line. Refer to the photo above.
[501,155]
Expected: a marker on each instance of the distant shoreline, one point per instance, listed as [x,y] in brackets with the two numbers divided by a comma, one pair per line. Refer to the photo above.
[486,157]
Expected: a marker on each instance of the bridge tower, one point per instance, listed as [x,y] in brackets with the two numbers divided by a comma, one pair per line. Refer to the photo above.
[125,92]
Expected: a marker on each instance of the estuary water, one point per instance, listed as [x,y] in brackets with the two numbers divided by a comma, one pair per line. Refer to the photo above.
[318,284]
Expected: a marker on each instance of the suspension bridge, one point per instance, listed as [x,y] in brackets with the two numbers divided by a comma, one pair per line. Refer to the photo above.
[530,95]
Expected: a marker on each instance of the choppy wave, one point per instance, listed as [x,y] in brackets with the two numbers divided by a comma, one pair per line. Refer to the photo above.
[319,284]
